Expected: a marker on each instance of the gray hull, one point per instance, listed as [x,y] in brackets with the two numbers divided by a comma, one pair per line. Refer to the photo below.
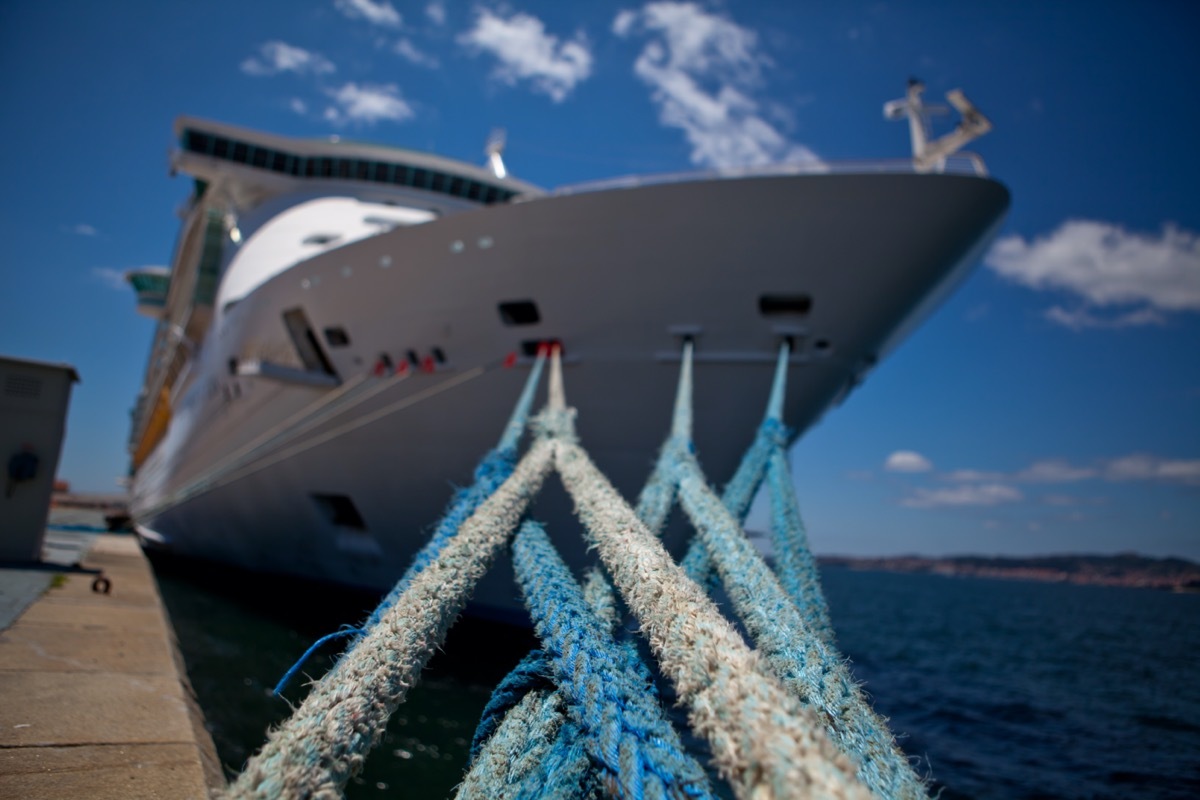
[617,277]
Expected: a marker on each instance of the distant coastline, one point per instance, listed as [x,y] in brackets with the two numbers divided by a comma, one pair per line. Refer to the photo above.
[1122,569]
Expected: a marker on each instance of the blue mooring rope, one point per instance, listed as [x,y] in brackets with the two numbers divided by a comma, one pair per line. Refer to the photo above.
[608,692]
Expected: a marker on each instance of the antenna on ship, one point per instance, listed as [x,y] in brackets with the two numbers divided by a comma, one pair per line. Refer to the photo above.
[929,155]
[494,147]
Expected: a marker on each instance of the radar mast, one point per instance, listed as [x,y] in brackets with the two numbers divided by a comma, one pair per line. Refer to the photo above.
[930,154]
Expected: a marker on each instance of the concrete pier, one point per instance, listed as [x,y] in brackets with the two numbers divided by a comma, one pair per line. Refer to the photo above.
[94,699]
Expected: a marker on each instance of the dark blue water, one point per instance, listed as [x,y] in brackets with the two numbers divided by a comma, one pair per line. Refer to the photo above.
[1009,689]
[1000,689]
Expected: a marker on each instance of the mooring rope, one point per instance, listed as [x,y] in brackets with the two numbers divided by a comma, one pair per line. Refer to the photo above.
[581,717]
[603,684]
[492,470]
[606,689]
[525,758]
[325,741]
[794,563]
[762,740]
[798,653]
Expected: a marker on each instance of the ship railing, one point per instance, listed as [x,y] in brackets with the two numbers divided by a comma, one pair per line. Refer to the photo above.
[961,163]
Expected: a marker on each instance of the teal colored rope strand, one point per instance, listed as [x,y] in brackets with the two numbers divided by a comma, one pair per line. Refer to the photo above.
[794,563]
[657,497]
[532,673]
[739,492]
[797,655]
[795,651]
[738,495]
[525,758]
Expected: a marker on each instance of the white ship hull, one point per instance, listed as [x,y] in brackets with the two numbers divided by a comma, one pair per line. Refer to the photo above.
[257,445]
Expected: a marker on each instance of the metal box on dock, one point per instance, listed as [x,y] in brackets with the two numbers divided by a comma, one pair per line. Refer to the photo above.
[34,396]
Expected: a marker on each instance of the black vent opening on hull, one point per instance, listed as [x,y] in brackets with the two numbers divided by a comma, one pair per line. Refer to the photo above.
[305,342]
[336,336]
[339,510]
[519,312]
[770,305]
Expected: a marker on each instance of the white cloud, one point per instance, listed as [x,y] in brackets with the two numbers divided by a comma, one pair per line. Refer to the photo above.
[367,104]
[1136,467]
[1138,277]
[436,12]
[907,461]
[276,57]
[409,51]
[526,52]
[112,278]
[972,476]
[1061,500]
[987,494]
[1080,319]
[1053,471]
[703,69]
[383,14]
[298,106]
[1143,467]
[83,229]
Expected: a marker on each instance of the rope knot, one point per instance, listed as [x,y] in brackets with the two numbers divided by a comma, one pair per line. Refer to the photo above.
[775,432]
[554,423]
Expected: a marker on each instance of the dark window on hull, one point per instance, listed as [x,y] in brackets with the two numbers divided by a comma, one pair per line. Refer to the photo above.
[519,312]
[336,336]
[340,510]
[775,304]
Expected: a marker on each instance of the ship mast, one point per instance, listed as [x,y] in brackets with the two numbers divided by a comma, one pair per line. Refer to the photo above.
[494,148]
[930,155]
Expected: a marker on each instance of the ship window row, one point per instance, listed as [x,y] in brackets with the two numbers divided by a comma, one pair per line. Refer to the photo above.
[345,168]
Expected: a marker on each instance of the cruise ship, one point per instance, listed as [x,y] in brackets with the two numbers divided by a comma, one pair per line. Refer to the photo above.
[345,327]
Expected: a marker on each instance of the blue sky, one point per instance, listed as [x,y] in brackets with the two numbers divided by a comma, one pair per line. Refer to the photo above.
[1053,404]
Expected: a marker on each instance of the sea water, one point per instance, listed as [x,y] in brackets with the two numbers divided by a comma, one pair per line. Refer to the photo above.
[998,689]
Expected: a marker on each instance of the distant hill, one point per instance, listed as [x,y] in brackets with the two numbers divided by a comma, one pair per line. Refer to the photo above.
[1122,569]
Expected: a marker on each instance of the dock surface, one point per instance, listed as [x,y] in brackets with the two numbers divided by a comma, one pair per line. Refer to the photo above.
[94,698]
